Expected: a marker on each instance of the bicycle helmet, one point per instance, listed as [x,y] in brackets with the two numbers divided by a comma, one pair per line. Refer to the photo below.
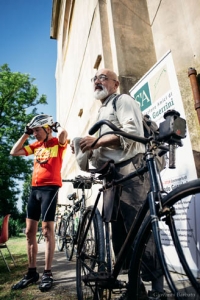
[41,121]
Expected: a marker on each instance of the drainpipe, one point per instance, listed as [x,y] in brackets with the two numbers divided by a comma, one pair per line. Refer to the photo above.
[192,73]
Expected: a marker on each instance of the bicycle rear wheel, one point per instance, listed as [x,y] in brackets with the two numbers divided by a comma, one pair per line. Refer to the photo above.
[40,237]
[185,279]
[69,242]
[57,224]
[90,257]
[61,236]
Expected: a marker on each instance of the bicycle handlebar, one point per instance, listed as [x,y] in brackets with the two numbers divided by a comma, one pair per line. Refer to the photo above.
[83,180]
[116,130]
[171,131]
[67,180]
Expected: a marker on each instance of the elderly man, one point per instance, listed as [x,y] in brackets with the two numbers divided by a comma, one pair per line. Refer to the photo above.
[126,154]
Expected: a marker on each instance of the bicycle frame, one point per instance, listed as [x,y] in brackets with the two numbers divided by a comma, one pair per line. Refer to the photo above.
[153,203]
[154,209]
[156,188]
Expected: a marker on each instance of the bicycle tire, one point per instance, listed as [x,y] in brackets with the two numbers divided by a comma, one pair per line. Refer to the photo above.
[186,286]
[40,237]
[91,256]
[56,227]
[69,242]
[61,236]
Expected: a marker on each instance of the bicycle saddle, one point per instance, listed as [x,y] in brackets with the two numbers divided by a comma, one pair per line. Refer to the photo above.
[72,196]
[104,169]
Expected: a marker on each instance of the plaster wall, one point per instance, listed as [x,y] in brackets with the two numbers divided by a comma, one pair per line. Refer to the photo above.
[128,36]
[176,26]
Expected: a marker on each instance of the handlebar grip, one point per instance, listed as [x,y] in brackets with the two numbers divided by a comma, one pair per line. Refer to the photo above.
[172,156]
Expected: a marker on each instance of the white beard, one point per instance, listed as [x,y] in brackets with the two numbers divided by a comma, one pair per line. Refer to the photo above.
[101,94]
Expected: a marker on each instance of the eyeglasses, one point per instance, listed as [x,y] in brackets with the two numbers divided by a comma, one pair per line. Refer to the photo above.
[101,78]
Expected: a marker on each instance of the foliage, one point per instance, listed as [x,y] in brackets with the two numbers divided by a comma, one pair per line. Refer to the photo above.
[15,226]
[18,100]
[26,193]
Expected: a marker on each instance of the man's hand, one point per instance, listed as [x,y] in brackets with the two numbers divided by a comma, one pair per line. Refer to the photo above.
[72,147]
[28,130]
[86,142]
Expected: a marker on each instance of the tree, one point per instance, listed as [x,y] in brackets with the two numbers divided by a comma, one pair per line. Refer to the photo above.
[19,98]
[26,193]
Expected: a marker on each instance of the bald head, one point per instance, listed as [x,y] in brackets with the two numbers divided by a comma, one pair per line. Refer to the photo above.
[109,73]
[105,84]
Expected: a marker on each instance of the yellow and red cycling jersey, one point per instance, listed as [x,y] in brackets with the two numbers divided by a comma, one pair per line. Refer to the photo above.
[48,159]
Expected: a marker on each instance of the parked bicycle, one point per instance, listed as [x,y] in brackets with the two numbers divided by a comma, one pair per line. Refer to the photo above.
[60,223]
[40,237]
[70,223]
[57,222]
[58,216]
[96,277]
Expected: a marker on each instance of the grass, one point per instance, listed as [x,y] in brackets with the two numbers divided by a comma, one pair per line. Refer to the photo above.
[17,247]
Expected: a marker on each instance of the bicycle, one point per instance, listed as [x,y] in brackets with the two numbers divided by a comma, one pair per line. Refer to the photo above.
[96,278]
[58,217]
[40,237]
[70,223]
[60,224]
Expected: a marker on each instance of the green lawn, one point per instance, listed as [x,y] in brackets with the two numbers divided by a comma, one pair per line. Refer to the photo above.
[17,247]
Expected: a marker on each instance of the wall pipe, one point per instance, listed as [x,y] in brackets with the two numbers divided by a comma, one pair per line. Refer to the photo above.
[192,74]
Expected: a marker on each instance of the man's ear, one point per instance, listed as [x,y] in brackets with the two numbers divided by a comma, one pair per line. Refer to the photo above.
[49,129]
[116,84]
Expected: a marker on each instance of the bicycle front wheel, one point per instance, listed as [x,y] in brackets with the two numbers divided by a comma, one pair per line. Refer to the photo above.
[90,257]
[181,277]
[61,236]
[69,242]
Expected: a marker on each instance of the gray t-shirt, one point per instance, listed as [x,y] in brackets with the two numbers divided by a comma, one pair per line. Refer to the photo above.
[127,117]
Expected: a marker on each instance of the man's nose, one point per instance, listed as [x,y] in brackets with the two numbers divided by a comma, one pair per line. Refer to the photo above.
[97,79]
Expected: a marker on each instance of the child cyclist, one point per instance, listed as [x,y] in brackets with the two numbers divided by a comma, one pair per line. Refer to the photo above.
[48,154]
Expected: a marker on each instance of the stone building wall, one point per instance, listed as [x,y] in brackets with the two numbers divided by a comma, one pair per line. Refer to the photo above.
[128,36]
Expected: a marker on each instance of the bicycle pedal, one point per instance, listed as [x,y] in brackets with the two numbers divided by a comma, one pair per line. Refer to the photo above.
[119,284]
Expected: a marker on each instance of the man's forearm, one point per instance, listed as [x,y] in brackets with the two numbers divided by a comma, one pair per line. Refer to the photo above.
[19,145]
[62,135]
[108,140]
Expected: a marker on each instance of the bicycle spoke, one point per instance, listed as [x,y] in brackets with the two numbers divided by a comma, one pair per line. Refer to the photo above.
[69,241]
[61,236]
[183,273]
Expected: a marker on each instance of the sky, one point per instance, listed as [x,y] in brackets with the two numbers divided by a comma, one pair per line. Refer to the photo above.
[26,45]
[27,48]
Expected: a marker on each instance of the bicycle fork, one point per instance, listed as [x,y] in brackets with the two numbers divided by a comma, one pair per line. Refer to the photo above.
[108,247]
[157,240]
[156,188]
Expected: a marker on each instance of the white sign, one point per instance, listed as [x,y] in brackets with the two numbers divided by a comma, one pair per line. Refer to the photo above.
[157,92]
